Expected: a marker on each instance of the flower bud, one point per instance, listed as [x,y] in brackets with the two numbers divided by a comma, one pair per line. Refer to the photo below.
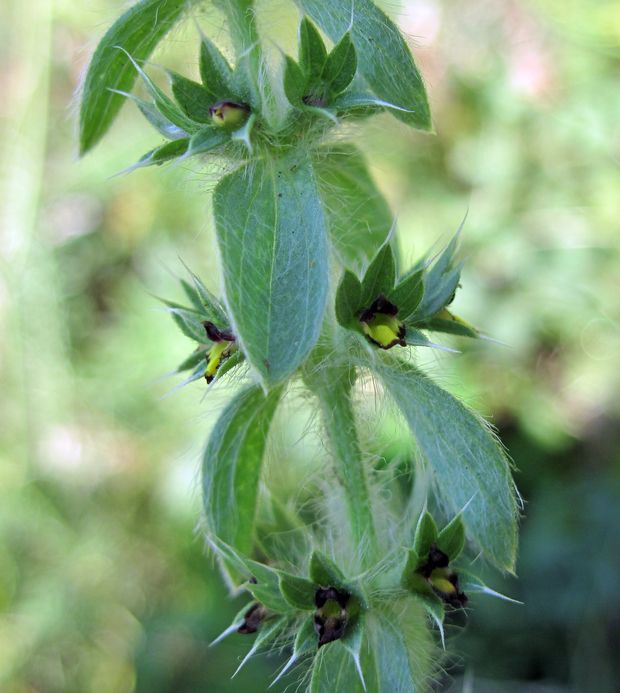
[228,114]
[330,618]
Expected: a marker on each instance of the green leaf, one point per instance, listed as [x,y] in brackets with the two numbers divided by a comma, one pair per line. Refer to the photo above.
[193,360]
[354,100]
[207,140]
[232,466]
[192,97]
[138,31]
[410,579]
[341,65]
[243,134]
[379,277]
[435,608]
[294,82]
[352,640]
[260,580]
[215,72]
[204,301]
[385,657]
[469,464]
[231,362]
[193,296]
[407,294]
[383,56]
[266,587]
[164,104]
[425,535]
[358,217]
[421,590]
[392,665]
[323,571]
[188,322]
[232,561]
[451,539]
[272,240]
[446,321]
[210,305]
[196,374]
[306,641]
[445,260]
[298,591]
[348,297]
[160,155]
[312,51]
[244,86]
[413,337]
[334,669]
[473,584]
[440,282]
[268,631]
[237,622]
[155,118]
[437,294]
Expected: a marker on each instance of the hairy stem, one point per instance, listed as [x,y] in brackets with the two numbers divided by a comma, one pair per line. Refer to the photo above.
[332,386]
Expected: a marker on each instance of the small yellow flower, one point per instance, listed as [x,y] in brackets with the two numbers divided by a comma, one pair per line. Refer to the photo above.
[224,345]
[442,579]
[381,326]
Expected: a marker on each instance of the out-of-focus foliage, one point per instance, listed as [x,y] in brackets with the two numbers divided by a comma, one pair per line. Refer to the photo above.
[104,585]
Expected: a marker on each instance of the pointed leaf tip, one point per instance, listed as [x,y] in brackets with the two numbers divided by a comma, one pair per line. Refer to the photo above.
[138,31]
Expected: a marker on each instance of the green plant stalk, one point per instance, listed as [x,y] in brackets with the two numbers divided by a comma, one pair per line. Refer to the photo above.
[332,386]
[241,21]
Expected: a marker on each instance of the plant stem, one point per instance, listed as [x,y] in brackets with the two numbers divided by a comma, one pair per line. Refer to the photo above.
[333,388]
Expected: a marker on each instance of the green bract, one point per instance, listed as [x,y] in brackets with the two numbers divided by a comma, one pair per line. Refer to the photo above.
[343,567]
[320,78]
[383,57]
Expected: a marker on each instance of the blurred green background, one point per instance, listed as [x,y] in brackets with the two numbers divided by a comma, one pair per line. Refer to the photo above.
[104,582]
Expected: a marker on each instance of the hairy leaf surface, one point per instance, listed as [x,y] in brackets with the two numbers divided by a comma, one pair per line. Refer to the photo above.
[138,31]
[469,464]
[383,56]
[215,72]
[358,216]
[232,465]
[272,240]
[334,670]
[392,666]
[379,277]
